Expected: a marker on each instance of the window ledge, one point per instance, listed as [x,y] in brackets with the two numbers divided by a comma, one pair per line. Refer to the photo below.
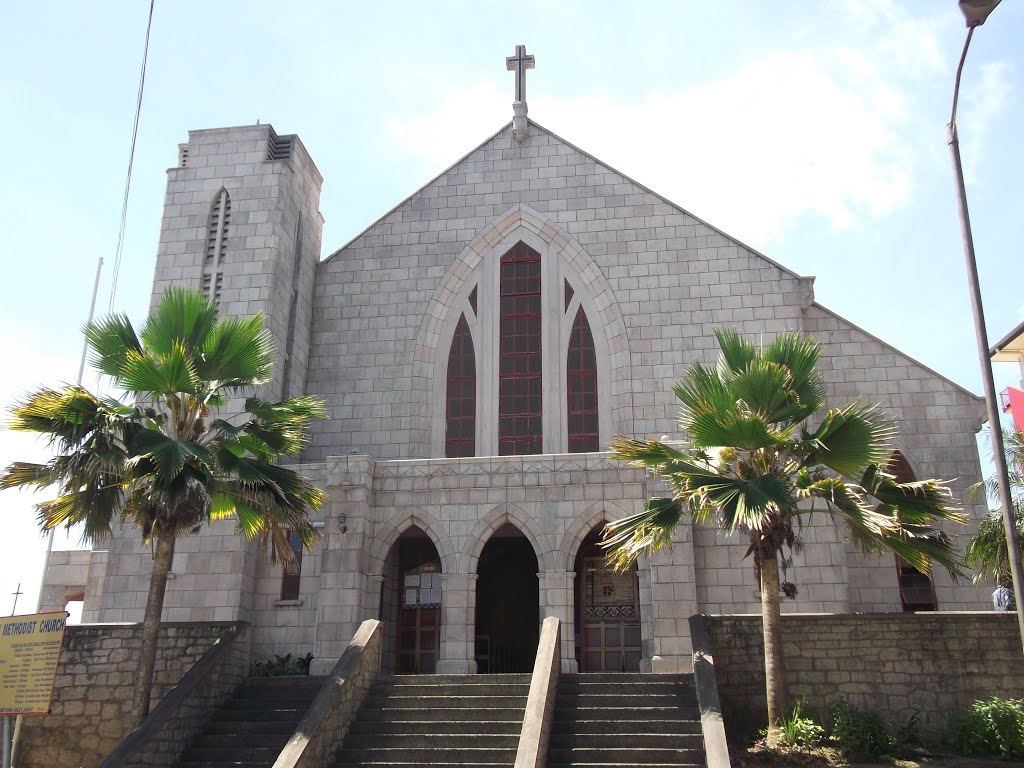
[287,603]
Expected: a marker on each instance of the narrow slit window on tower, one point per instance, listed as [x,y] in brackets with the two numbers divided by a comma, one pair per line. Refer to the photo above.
[472,299]
[520,387]
[569,293]
[581,381]
[460,424]
[290,580]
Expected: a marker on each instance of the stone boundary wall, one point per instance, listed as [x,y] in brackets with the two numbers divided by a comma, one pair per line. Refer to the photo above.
[93,689]
[180,716]
[931,664]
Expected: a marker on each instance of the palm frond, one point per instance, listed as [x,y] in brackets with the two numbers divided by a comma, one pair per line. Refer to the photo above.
[987,551]
[849,439]
[110,341]
[918,501]
[649,531]
[170,373]
[182,318]
[239,352]
[737,352]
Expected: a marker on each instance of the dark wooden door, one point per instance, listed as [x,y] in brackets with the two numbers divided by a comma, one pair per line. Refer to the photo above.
[419,622]
[609,619]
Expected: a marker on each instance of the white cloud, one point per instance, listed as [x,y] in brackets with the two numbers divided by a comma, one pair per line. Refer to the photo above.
[983,103]
[777,139]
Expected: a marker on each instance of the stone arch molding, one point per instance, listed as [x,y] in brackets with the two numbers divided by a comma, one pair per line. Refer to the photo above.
[495,519]
[591,517]
[399,524]
[522,222]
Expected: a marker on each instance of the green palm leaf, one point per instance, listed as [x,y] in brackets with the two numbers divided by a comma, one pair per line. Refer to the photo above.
[239,352]
[111,340]
[645,532]
[851,438]
[737,352]
[182,319]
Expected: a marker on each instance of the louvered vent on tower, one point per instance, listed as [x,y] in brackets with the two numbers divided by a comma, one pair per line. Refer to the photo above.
[279,147]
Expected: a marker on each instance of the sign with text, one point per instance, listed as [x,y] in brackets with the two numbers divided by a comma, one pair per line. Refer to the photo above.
[29,650]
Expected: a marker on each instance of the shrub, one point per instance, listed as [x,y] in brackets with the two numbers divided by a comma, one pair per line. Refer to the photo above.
[990,727]
[279,666]
[798,729]
[860,733]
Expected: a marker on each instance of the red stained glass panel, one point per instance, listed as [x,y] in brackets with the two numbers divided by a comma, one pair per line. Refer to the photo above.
[520,399]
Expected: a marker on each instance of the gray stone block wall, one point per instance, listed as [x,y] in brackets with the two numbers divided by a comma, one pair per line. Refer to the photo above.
[370,334]
[928,665]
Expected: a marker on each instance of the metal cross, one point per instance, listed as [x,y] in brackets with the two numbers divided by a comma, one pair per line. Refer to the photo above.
[16,593]
[520,63]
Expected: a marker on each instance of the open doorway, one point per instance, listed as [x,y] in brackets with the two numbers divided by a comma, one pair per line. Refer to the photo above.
[507,604]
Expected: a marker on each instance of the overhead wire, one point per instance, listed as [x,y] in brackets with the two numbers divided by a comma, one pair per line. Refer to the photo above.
[131,161]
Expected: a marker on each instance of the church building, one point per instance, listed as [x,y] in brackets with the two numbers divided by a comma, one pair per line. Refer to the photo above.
[477,347]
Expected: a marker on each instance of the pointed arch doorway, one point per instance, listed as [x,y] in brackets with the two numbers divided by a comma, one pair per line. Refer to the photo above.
[607,612]
[507,604]
[411,602]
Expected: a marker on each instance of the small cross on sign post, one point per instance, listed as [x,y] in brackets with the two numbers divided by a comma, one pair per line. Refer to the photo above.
[519,64]
[16,593]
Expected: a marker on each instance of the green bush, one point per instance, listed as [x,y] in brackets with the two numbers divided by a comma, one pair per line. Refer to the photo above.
[990,727]
[799,729]
[860,733]
[280,666]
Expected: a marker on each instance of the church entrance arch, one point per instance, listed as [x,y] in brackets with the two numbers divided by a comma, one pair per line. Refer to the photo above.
[607,612]
[411,602]
[507,604]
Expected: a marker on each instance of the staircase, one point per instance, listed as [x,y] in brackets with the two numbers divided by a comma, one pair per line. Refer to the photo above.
[413,721]
[626,720]
[253,727]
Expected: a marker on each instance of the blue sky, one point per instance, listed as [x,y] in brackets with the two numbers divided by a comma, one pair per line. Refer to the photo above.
[814,132]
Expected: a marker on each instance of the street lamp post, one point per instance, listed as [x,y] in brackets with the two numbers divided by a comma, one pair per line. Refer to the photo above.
[976,12]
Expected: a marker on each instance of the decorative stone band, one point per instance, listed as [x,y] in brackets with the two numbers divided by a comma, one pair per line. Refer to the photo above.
[540,704]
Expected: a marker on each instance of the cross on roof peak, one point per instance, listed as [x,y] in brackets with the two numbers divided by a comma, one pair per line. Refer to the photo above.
[519,64]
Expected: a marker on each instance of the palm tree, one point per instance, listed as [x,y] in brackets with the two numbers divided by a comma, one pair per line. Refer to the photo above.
[754,463]
[987,549]
[164,463]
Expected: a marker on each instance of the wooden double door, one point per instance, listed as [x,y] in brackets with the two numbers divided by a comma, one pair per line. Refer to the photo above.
[608,617]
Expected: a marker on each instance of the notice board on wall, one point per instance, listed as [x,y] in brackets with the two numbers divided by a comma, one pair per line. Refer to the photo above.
[29,650]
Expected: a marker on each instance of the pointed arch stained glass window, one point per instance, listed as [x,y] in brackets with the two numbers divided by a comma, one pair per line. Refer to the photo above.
[460,426]
[520,384]
[581,380]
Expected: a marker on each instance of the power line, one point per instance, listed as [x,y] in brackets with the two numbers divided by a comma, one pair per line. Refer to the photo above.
[131,161]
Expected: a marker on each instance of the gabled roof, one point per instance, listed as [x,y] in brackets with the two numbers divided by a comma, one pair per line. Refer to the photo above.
[678,207]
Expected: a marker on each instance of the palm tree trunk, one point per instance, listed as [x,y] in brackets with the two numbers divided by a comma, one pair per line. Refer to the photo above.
[771,622]
[151,628]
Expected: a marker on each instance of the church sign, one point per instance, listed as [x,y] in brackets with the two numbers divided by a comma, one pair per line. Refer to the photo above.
[29,650]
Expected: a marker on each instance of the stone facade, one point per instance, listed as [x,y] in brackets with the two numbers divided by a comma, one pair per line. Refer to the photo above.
[928,665]
[369,329]
[92,690]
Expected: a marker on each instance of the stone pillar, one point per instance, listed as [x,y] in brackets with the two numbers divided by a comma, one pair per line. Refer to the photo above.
[341,604]
[557,598]
[458,624]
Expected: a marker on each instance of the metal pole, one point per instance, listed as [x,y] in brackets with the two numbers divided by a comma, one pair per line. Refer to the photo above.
[7,741]
[991,403]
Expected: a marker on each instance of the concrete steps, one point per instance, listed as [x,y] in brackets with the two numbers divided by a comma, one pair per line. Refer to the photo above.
[251,729]
[626,720]
[415,721]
